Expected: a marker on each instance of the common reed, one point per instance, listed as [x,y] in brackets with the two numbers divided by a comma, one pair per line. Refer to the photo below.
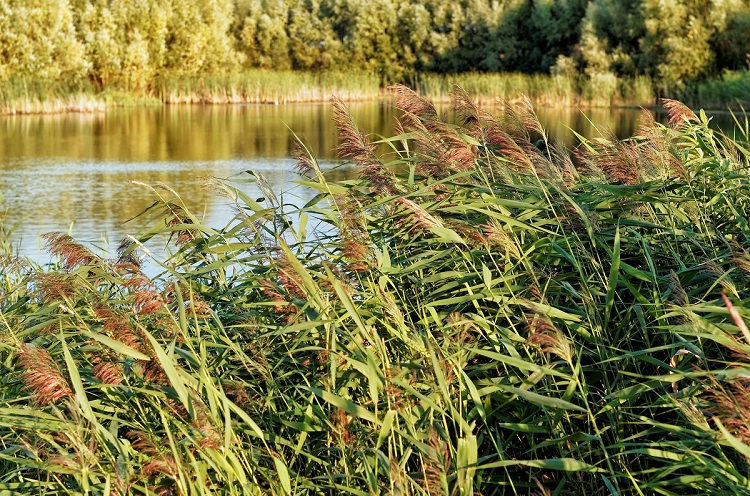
[477,313]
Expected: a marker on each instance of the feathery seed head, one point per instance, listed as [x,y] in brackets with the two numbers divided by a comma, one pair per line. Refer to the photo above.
[42,376]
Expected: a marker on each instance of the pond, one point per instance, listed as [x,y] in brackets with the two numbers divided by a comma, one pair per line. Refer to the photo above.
[77,173]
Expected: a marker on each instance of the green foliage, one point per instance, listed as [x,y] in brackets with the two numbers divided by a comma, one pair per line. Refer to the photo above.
[474,314]
[730,89]
[674,42]
[37,38]
[130,45]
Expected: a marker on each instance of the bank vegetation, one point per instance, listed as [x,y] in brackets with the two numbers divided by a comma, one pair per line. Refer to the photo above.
[84,54]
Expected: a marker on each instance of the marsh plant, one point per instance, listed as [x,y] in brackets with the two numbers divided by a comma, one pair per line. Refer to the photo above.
[481,311]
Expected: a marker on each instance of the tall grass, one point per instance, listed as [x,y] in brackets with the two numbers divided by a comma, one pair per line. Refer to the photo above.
[20,96]
[28,95]
[265,86]
[547,90]
[31,96]
[481,312]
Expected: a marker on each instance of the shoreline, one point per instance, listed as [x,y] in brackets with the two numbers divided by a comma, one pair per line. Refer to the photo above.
[263,87]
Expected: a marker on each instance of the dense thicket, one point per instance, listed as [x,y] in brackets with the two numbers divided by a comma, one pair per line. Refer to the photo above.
[132,42]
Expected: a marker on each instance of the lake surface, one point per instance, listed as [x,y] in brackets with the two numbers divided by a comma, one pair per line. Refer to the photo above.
[74,172]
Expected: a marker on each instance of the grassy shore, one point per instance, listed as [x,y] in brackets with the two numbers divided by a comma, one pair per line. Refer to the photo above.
[21,96]
[475,315]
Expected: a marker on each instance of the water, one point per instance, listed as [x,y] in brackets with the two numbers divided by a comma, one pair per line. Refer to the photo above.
[75,172]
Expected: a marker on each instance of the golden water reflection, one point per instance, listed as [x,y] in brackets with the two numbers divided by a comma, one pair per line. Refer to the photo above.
[58,171]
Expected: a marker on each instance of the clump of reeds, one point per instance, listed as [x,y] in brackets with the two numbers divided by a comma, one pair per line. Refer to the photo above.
[478,312]
[545,90]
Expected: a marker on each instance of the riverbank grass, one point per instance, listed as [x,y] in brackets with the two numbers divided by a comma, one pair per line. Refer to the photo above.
[258,86]
[477,313]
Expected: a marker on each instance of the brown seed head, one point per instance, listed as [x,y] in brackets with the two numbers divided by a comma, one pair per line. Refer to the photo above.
[42,376]
[71,253]
[411,102]
[679,113]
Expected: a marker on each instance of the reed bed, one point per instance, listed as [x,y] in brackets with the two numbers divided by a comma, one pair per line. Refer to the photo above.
[274,87]
[22,96]
[482,311]
[602,90]
[26,96]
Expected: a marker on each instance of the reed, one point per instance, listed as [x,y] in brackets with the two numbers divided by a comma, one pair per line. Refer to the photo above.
[477,314]
[543,90]
[257,86]
[264,86]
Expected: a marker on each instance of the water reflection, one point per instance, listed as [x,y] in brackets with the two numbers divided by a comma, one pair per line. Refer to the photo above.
[64,170]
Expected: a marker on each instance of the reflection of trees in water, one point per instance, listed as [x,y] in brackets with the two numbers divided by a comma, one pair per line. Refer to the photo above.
[207,133]
[184,132]
[58,169]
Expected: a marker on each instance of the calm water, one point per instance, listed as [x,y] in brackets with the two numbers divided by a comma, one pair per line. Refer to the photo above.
[73,172]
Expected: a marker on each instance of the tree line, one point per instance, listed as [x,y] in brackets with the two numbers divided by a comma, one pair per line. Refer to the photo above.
[129,43]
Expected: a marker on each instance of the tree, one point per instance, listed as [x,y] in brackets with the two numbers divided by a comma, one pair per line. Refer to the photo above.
[263,34]
[38,39]
[313,45]
[199,39]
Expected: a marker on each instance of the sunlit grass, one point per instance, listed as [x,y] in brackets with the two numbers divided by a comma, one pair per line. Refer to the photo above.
[542,89]
[265,86]
[479,313]
[257,86]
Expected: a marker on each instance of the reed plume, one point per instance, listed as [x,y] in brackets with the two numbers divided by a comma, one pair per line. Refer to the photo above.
[55,286]
[412,102]
[619,161]
[356,146]
[519,118]
[108,372]
[127,255]
[158,462]
[41,375]
[420,216]
[304,163]
[464,106]
[71,253]
[436,464]
[679,113]
[118,326]
[655,146]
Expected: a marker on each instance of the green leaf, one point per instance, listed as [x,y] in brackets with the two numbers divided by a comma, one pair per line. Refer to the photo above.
[115,345]
[541,399]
